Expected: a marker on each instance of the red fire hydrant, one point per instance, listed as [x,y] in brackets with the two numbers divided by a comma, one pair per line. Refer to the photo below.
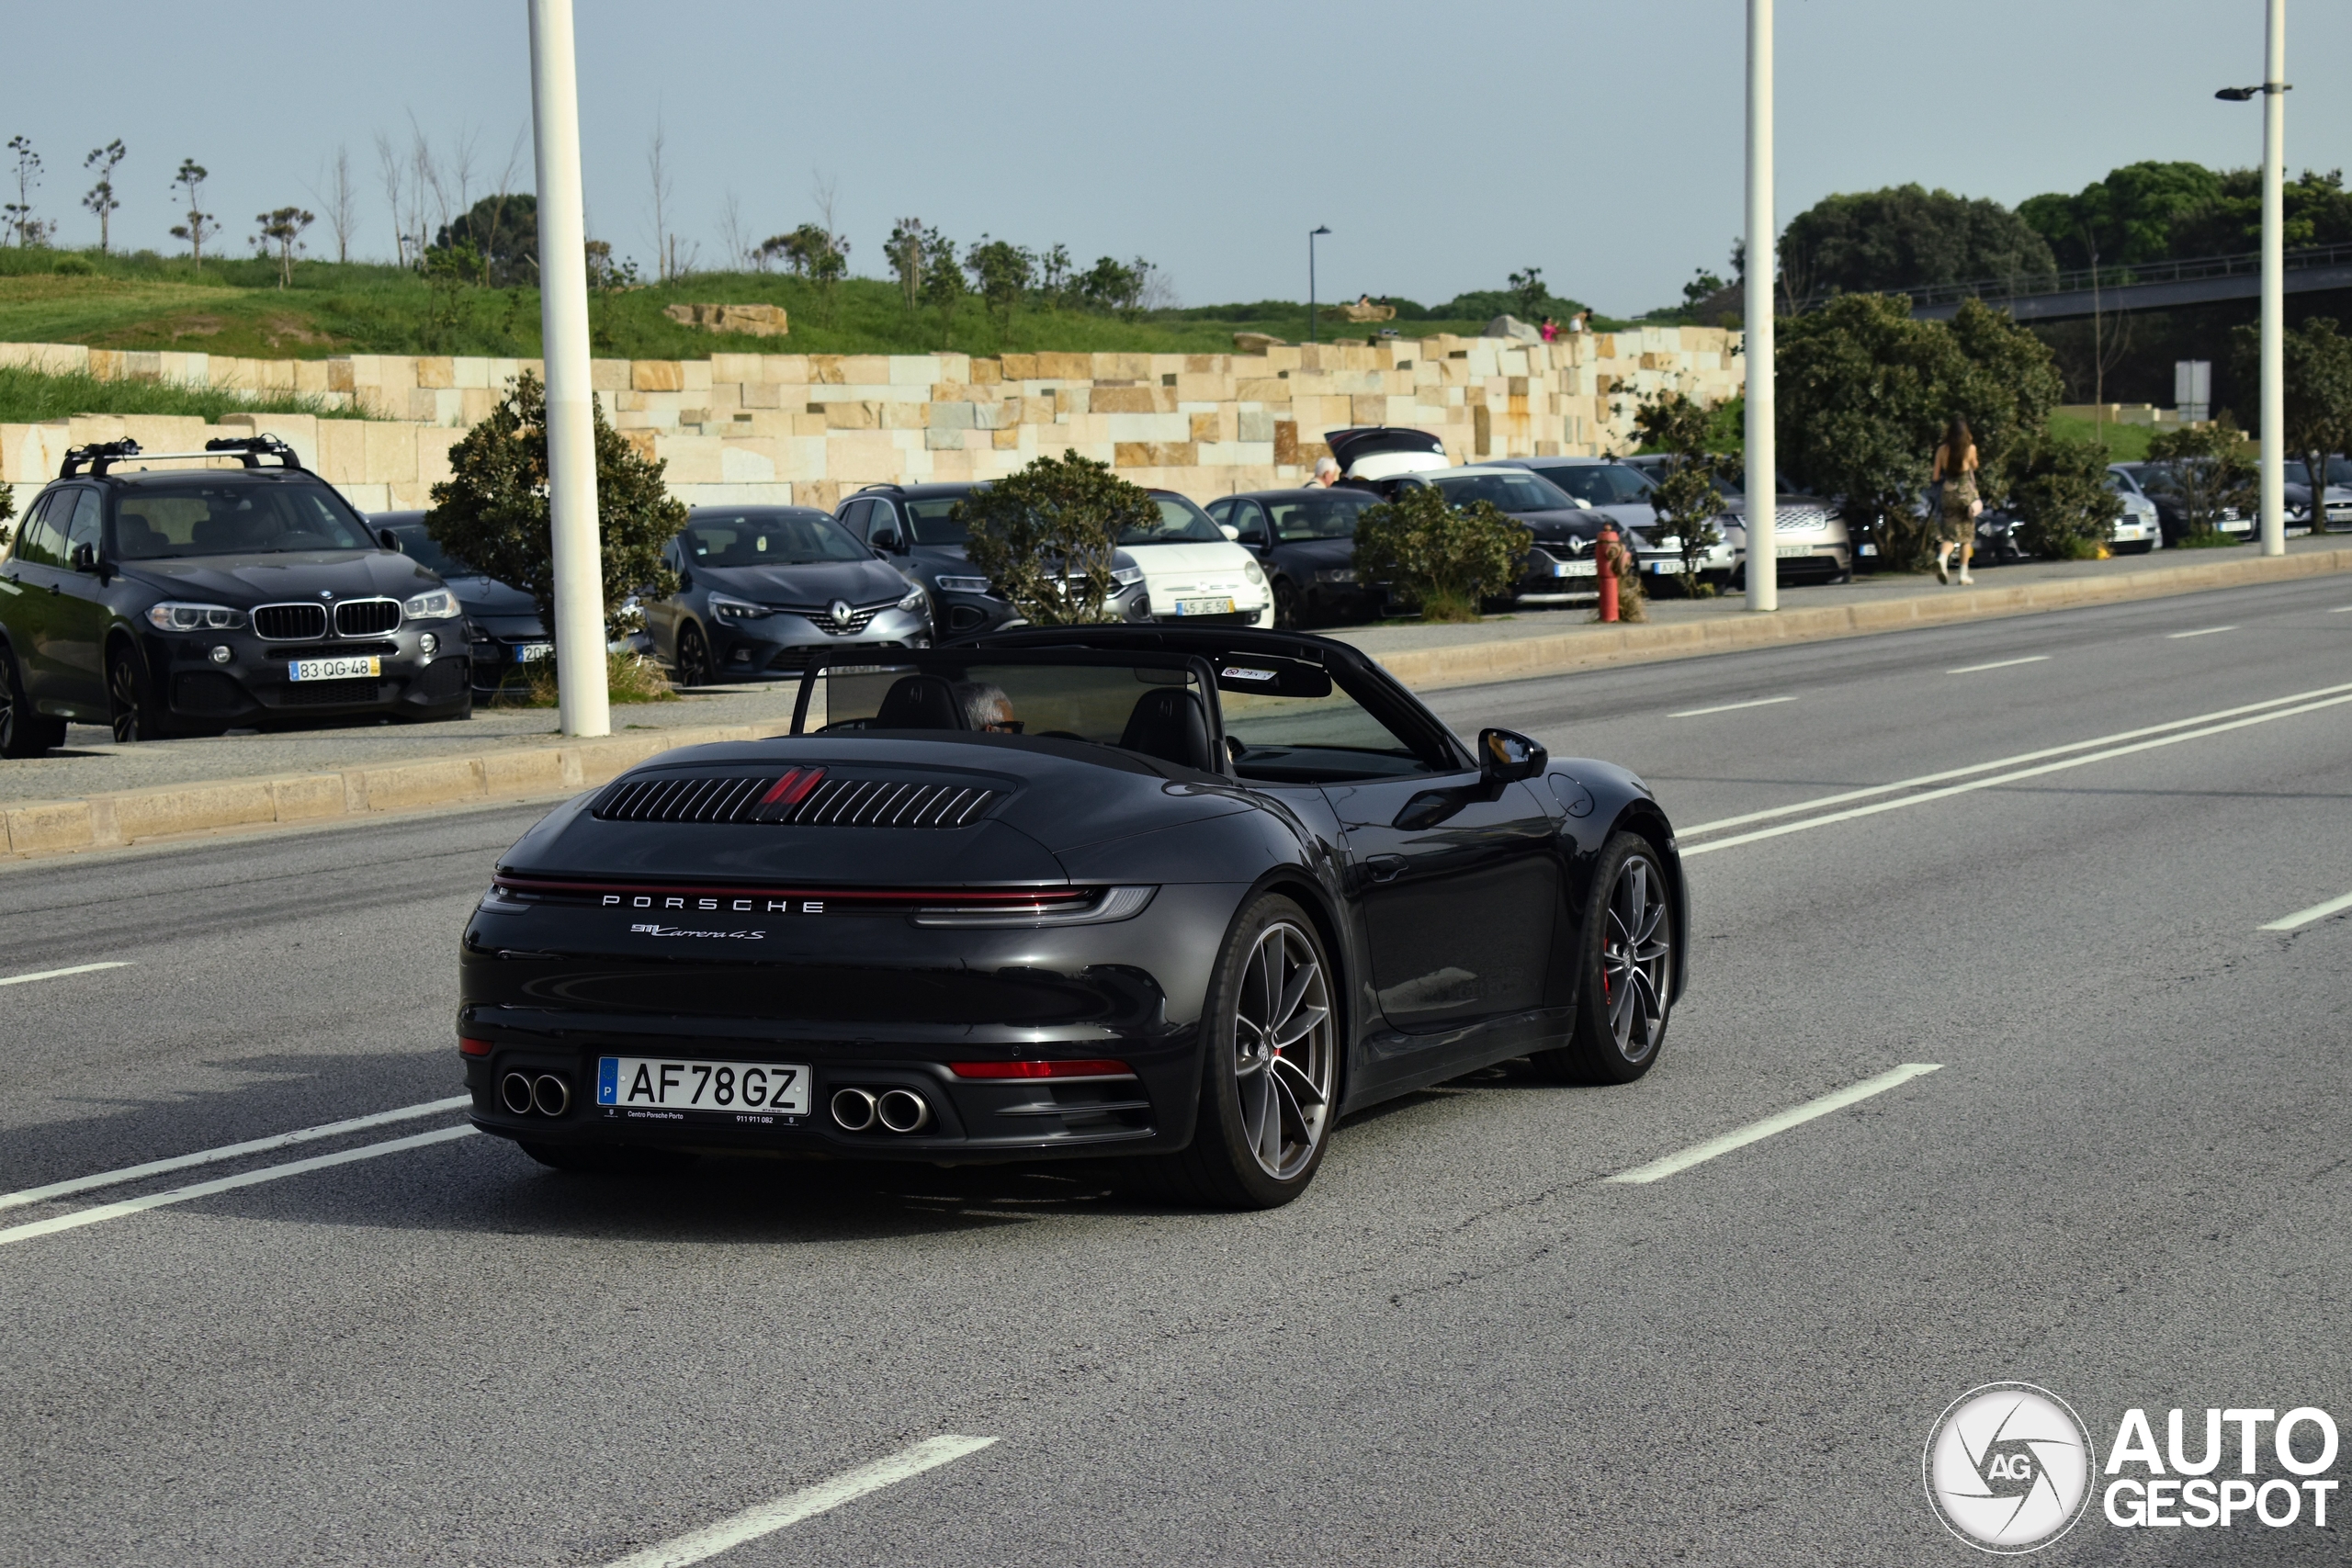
[1604,557]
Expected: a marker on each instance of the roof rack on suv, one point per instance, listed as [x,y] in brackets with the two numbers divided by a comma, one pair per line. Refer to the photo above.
[251,449]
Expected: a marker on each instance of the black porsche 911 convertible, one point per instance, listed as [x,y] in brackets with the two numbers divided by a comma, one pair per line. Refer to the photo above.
[1188,897]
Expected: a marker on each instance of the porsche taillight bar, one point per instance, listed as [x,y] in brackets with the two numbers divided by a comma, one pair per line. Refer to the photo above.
[621,895]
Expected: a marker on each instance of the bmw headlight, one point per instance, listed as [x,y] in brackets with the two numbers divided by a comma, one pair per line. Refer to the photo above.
[1335,574]
[967,584]
[438,604]
[736,610]
[1254,572]
[915,600]
[1127,576]
[171,616]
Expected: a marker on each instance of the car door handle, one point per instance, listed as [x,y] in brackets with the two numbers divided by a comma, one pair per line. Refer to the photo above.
[1386,868]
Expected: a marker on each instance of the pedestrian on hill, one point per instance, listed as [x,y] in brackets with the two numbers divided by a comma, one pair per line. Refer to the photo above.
[1550,329]
[1956,519]
[1327,474]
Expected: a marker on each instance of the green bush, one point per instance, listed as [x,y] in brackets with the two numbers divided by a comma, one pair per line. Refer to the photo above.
[1439,558]
[492,512]
[1045,534]
[2066,511]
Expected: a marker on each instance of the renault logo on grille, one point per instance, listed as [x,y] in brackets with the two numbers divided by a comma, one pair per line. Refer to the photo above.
[842,614]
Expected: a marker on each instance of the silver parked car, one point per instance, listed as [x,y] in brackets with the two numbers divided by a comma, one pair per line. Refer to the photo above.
[1811,540]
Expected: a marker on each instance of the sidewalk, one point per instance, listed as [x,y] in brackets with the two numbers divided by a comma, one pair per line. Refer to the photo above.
[96,794]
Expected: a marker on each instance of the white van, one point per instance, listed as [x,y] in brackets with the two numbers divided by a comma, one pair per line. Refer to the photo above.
[1194,572]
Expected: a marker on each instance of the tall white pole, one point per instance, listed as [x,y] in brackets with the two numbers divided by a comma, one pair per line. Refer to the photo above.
[582,700]
[1762,461]
[2274,290]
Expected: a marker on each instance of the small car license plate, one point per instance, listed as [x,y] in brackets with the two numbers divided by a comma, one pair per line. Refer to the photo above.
[666,1088]
[1205,606]
[532,652]
[1785,551]
[1575,568]
[331,669]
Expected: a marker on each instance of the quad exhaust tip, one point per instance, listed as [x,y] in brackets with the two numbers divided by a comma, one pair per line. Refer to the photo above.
[853,1110]
[902,1110]
[547,1095]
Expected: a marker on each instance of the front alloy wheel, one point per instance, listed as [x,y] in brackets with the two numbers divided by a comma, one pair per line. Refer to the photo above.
[1270,1065]
[694,657]
[133,709]
[1626,946]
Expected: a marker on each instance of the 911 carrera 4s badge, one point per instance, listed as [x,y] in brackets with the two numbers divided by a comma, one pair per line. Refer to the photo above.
[683,931]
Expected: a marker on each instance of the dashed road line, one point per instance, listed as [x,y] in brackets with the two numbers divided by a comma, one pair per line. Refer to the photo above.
[2201,631]
[59,974]
[228,1151]
[223,1184]
[2316,912]
[1795,1116]
[1729,707]
[769,1518]
[2000,664]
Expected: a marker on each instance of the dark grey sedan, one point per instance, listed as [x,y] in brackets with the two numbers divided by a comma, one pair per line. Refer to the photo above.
[761,588]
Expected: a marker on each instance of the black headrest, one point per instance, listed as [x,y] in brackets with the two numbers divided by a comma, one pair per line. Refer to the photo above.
[919,702]
[1167,724]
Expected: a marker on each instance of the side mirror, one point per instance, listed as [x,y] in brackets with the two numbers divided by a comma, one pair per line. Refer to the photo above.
[85,558]
[387,538]
[885,537]
[1228,530]
[1505,756]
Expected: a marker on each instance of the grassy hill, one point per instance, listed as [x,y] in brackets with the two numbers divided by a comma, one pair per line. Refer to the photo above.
[234,307]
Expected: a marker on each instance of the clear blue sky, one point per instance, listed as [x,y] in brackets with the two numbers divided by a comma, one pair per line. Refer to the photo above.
[1445,146]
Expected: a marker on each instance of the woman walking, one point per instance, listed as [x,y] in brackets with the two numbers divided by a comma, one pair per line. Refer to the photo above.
[1956,522]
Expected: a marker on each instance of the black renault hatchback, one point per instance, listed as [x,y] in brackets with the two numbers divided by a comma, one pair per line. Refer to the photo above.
[181,602]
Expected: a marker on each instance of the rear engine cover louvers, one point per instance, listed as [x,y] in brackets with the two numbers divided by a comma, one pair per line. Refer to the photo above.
[802,798]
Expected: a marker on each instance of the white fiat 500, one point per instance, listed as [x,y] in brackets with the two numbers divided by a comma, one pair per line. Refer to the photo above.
[1195,574]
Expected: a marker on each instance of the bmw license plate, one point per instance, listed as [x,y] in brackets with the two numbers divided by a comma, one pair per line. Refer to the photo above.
[331,669]
[656,1088]
[532,652]
[1205,606]
[1575,568]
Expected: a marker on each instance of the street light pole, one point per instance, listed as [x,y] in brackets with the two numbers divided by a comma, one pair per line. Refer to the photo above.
[2274,290]
[1762,461]
[583,702]
[1311,234]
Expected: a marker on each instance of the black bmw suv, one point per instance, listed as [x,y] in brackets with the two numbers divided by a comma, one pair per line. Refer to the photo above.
[180,602]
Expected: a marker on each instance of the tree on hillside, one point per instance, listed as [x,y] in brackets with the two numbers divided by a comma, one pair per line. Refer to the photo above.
[199,226]
[943,280]
[905,251]
[1528,292]
[506,230]
[492,512]
[30,230]
[1000,272]
[2125,219]
[2317,212]
[100,198]
[282,228]
[1111,284]
[1047,536]
[1905,237]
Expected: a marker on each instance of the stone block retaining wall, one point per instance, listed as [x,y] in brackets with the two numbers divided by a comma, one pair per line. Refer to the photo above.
[807,428]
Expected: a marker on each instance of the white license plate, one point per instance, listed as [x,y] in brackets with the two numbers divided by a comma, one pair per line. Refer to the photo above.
[1786,551]
[1576,569]
[532,652]
[1664,567]
[1205,606]
[663,1088]
[331,669]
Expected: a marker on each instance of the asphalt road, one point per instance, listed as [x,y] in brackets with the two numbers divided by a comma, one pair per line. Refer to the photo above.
[2127,1182]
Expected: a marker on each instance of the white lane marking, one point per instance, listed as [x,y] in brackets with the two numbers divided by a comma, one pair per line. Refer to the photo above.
[227,1151]
[1730,707]
[1998,779]
[2316,912]
[2342,610]
[2202,631]
[2000,664]
[224,1184]
[2072,746]
[1796,1115]
[53,974]
[768,1518]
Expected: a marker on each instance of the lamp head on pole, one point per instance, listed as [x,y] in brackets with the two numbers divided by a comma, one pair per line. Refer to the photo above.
[1319,229]
[2241,95]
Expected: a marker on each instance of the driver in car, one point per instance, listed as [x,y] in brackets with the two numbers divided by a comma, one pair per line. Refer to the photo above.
[986,707]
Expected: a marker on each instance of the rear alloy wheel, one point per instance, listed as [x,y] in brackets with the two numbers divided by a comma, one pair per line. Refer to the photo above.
[136,715]
[1270,1065]
[23,732]
[694,657]
[1626,948]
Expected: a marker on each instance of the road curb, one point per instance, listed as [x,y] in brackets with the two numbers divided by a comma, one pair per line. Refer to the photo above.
[1599,647]
[523,773]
